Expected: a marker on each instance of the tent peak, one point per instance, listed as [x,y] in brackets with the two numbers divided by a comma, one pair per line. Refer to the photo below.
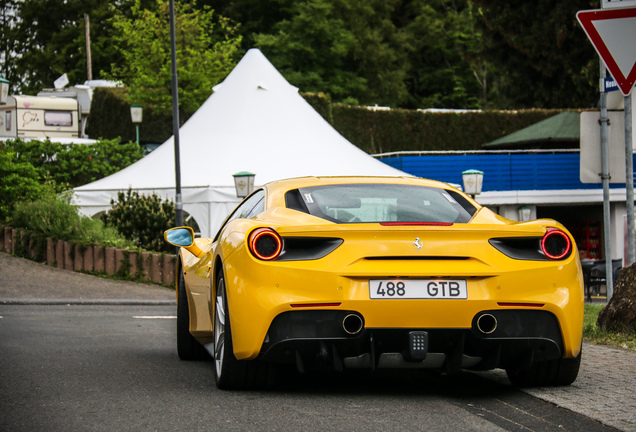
[254,121]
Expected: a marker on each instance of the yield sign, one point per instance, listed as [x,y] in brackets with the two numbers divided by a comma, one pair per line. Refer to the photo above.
[613,34]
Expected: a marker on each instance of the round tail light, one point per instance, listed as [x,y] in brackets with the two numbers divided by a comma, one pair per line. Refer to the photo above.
[265,244]
[556,244]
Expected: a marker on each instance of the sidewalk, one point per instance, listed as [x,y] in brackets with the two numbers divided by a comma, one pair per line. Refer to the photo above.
[605,389]
[27,282]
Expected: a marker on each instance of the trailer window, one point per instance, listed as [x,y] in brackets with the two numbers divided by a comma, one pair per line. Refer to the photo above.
[58,118]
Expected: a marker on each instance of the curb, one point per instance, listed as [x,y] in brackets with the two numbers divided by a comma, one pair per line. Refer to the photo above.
[87,302]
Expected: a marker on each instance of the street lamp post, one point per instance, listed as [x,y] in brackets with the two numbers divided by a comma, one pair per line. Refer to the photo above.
[4,90]
[473,180]
[136,114]
[525,213]
[244,183]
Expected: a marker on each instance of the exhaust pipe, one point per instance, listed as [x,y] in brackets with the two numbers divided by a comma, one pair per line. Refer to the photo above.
[487,323]
[352,324]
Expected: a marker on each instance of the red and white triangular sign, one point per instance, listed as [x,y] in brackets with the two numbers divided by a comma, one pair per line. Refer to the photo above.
[613,34]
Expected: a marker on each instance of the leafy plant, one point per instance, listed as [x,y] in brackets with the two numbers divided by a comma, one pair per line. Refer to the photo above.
[20,181]
[142,219]
[71,165]
[55,217]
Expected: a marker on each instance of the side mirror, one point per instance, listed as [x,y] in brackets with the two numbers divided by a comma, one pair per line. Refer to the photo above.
[183,237]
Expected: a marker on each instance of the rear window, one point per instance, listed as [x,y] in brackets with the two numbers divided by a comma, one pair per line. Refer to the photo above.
[379,203]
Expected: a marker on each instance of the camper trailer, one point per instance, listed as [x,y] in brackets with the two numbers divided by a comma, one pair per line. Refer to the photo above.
[82,93]
[40,118]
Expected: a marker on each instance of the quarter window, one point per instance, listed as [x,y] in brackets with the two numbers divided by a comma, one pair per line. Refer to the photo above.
[250,207]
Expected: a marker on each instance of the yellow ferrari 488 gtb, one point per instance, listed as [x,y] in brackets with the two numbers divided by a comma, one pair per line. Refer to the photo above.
[378,272]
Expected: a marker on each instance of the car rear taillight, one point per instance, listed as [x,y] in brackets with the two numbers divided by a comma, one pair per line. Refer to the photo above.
[265,244]
[556,244]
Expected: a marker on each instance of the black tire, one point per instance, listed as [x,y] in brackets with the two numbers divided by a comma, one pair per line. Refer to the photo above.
[187,346]
[559,372]
[230,373]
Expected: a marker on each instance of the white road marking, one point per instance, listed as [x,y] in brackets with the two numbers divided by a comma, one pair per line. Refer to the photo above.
[154,317]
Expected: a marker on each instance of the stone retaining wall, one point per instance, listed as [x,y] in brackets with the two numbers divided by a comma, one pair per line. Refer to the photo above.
[134,265]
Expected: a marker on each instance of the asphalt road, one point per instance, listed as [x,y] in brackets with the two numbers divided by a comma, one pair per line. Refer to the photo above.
[115,368]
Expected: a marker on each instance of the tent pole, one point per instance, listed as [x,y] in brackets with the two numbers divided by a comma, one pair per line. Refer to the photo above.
[175,119]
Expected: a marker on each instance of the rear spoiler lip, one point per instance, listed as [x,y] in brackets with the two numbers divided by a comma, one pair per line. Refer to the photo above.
[416,223]
[338,230]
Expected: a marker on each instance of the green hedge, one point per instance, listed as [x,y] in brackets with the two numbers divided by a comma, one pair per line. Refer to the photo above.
[110,118]
[395,130]
[321,103]
[374,132]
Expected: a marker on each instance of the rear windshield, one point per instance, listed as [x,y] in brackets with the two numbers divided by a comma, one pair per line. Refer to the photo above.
[379,203]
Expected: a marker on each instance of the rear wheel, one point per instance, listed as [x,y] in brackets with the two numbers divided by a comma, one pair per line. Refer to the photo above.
[187,346]
[558,372]
[230,373]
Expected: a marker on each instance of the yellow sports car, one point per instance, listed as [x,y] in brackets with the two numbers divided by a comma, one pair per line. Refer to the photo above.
[378,272]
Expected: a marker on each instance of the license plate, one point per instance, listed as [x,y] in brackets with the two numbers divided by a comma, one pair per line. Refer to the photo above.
[418,289]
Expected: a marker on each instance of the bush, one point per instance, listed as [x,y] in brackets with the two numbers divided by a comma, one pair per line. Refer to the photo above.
[20,181]
[72,165]
[53,217]
[142,219]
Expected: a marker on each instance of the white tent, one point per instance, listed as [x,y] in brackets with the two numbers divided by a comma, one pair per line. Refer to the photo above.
[254,121]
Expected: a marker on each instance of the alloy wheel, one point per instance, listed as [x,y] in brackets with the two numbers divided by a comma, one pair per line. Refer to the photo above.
[219,328]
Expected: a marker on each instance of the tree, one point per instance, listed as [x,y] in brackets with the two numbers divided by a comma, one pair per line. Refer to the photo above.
[348,48]
[207,46]
[8,9]
[255,16]
[444,46]
[48,39]
[542,56]
[402,53]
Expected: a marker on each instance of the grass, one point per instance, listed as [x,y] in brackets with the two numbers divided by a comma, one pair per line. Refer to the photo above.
[597,335]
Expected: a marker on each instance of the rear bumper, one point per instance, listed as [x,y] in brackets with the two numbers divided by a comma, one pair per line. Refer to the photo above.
[318,339]
[259,293]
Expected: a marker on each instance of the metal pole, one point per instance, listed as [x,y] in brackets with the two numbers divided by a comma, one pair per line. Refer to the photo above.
[605,176]
[137,127]
[89,62]
[175,118]
[629,181]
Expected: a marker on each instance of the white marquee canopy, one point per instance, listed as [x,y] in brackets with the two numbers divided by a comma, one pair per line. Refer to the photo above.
[254,121]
